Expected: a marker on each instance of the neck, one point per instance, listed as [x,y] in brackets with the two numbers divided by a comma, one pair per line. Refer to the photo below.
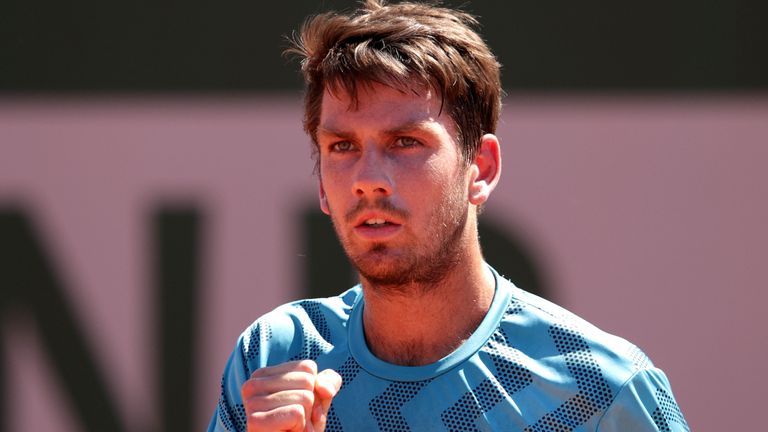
[431,321]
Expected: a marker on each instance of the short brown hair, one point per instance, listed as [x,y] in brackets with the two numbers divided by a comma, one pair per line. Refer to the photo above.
[404,46]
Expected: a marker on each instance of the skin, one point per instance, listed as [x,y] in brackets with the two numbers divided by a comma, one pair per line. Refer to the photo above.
[392,158]
[385,162]
[291,396]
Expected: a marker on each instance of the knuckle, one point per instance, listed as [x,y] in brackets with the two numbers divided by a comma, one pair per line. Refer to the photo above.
[306,382]
[252,406]
[250,388]
[307,366]
[247,389]
[306,398]
[255,421]
[260,372]
[285,417]
[255,416]
[296,410]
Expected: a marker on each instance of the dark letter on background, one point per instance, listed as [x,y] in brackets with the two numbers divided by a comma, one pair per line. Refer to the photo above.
[30,284]
[177,264]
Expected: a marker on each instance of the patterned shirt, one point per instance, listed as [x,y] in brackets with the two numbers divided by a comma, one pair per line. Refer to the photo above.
[530,366]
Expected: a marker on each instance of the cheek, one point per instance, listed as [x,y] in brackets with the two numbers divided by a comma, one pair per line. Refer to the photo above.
[337,171]
[329,196]
[437,171]
[447,176]
[436,193]
[331,178]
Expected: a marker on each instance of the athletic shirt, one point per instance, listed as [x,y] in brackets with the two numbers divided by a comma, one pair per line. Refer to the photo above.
[530,366]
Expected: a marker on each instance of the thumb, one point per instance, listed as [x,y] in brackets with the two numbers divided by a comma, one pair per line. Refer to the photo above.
[327,384]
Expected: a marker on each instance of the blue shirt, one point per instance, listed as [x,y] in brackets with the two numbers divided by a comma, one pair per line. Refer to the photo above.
[530,366]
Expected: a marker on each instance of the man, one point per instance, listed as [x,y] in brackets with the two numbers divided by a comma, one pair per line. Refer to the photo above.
[402,103]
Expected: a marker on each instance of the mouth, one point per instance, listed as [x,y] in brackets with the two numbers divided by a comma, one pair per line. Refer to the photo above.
[376,228]
[376,219]
[376,222]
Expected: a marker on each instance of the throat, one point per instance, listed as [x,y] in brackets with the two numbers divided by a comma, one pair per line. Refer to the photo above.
[418,323]
[418,335]
[412,353]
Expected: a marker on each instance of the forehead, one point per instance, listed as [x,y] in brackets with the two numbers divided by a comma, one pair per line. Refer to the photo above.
[378,106]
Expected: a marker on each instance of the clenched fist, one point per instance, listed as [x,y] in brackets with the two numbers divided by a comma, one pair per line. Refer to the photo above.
[291,396]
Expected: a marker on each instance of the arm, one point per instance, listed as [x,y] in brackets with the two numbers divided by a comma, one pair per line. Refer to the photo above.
[229,415]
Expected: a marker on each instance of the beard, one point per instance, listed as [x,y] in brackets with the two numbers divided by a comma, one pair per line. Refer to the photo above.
[432,256]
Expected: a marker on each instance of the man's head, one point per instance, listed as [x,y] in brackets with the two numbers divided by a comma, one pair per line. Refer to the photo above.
[408,47]
[402,102]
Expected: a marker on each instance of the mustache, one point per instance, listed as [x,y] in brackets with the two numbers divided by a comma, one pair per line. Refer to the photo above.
[382,205]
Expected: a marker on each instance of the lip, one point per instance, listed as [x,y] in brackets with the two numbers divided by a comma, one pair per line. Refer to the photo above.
[376,233]
[389,218]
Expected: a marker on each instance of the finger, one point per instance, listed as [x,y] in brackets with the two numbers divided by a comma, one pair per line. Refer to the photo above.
[269,402]
[264,385]
[290,418]
[307,366]
[319,418]
[327,384]
[263,403]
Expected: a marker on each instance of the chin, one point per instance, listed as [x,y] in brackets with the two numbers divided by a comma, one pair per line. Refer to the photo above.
[379,267]
[400,274]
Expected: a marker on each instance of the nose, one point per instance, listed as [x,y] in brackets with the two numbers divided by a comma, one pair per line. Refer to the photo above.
[372,177]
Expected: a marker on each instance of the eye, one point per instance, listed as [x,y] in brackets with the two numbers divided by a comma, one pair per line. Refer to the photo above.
[341,147]
[406,142]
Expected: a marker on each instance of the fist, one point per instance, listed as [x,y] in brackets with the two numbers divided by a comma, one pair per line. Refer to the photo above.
[291,396]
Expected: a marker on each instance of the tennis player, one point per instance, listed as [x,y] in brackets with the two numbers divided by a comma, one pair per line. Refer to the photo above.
[402,102]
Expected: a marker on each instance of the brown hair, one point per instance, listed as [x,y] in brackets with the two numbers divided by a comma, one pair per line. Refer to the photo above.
[404,46]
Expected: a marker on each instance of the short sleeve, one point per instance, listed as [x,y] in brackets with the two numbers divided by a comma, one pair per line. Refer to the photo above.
[229,415]
[644,403]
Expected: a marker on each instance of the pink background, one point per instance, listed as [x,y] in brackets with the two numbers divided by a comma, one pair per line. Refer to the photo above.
[649,214]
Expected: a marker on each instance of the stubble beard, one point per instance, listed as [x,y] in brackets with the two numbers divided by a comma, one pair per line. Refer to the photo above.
[423,266]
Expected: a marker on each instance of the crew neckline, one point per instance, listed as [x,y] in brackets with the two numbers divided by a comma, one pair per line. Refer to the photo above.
[392,372]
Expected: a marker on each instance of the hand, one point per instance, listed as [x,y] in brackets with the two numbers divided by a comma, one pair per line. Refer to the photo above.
[291,397]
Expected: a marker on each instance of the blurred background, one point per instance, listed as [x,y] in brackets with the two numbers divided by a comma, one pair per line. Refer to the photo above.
[157,195]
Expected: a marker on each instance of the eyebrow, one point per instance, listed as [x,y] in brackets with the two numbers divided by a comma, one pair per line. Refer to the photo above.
[412,126]
[407,127]
[332,131]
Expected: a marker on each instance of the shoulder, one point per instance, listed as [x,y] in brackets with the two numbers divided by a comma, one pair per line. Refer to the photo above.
[549,334]
[617,383]
[303,329]
[299,329]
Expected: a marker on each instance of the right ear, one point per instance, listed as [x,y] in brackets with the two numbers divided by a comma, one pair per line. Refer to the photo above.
[323,199]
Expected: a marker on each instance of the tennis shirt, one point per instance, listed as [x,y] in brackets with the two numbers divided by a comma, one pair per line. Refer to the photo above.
[530,366]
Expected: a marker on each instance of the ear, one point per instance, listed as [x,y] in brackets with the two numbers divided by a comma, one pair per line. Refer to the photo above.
[323,199]
[485,170]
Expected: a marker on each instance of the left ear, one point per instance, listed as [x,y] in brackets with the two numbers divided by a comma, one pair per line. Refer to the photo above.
[485,170]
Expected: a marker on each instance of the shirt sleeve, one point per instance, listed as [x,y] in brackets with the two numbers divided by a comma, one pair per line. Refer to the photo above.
[644,403]
[229,415]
